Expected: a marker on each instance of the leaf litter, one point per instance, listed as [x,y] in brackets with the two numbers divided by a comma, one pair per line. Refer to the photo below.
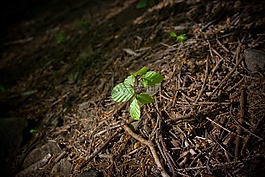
[207,118]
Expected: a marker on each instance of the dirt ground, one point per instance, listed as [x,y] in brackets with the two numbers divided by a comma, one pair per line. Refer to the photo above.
[60,60]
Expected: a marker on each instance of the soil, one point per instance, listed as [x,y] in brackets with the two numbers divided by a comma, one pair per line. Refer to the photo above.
[61,59]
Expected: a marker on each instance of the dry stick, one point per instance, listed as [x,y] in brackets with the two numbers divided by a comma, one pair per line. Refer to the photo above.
[98,150]
[230,73]
[108,128]
[159,142]
[245,129]
[221,165]
[204,82]
[151,147]
[167,156]
[218,42]
[161,150]
[236,85]
[223,127]
[192,114]
[35,166]
[248,137]
[242,112]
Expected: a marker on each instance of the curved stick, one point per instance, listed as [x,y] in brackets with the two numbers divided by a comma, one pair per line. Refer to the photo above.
[151,147]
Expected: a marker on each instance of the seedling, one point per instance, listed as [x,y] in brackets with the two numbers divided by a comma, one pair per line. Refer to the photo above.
[2,88]
[60,37]
[144,3]
[33,131]
[179,38]
[82,23]
[129,90]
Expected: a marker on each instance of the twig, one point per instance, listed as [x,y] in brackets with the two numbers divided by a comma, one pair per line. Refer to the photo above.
[218,42]
[230,73]
[21,41]
[108,128]
[248,137]
[193,114]
[221,165]
[151,147]
[97,150]
[247,130]
[222,127]
[164,152]
[242,112]
[35,166]
[204,82]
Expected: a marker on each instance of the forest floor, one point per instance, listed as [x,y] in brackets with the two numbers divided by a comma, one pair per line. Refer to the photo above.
[59,64]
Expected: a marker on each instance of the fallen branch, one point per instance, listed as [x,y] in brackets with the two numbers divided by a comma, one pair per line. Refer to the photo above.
[98,150]
[36,166]
[230,73]
[242,112]
[151,147]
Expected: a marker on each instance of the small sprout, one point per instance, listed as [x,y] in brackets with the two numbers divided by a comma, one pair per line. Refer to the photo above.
[127,90]
[60,37]
[179,38]
[82,23]
[172,34]
[33,131]
[2,88]
[145,3]
[182,38]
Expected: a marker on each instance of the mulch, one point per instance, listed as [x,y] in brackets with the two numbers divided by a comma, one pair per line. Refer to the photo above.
[208,115]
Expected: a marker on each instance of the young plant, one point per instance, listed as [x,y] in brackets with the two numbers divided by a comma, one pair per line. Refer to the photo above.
[82,23]
[145,3]
[2,88]
[128,90]
[60,37]
[179,38]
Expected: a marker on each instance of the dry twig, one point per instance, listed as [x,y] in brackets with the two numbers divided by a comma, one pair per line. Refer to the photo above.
[150,146]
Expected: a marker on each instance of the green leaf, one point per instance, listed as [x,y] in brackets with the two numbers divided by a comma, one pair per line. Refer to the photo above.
[152,78]
[144,82]
[182,38]
[60,37]
[122,92]
[33,131]
[141,71]
[129,80]
[172,34]
[2,88]
[145,98]
[151,3]
[82,23]
[135,109]
[142,4]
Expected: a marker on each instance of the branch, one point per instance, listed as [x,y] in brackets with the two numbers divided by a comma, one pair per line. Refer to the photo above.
[151,147]
[97,150]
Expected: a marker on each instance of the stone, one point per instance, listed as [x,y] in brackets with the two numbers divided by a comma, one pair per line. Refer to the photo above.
[62,168]
[90,173]
[11,137]
[40,152]
[254,59]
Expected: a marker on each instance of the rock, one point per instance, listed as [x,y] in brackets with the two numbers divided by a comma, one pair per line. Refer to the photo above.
[90,173]
[62,168]
[254,59]
[39,153]
[11,137]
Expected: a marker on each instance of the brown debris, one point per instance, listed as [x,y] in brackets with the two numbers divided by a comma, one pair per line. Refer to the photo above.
[208,114]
